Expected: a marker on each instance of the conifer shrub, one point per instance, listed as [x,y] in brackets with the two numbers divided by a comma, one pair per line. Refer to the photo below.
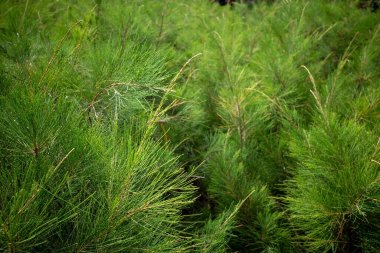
[73,188]
[81,166]
[258,221]
[332,197]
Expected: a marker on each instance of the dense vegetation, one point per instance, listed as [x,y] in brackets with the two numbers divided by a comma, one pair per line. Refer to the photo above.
[183,126]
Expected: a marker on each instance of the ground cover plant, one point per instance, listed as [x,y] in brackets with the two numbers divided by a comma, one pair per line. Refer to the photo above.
[187,126]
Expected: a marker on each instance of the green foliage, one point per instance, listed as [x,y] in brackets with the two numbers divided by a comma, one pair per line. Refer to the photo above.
[333,195]
[81,167]
[214,236]
[108,106]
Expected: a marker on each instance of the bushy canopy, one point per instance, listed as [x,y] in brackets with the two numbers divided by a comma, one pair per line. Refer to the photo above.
[184,126]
